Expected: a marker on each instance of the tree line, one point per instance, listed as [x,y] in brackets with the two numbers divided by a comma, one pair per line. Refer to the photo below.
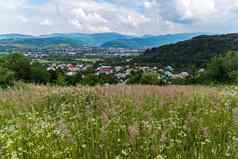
[222,69]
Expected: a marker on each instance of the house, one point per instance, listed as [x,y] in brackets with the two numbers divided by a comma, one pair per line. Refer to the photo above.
[105,70]
[72,68]
[71,73]
[118,68]
[52,67]
[168,74]
[169,68]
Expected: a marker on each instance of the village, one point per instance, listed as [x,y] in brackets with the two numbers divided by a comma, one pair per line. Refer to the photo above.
[122,74]
[83,50]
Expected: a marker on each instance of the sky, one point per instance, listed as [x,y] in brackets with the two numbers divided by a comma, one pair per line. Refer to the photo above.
[135,17]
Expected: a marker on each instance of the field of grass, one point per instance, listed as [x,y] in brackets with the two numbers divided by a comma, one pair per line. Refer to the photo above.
[119,122]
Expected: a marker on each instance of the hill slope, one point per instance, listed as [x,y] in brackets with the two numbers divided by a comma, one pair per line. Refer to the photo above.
[198,50]
[149,41]
[107,40]
[14,36]
[53,40]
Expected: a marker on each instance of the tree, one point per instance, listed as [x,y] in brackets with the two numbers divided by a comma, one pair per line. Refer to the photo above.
[6,76]
[90,79]
[39,74]
[223,68]
[73,80]
[107,79]
[134,77]
[60,79]
[19,64]
[150,78]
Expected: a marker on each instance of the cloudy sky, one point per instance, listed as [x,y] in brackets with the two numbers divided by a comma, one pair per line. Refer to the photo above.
[124,16]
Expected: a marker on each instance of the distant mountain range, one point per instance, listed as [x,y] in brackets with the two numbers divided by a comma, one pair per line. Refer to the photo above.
[149,41]
[199,50]
[14,36]
[107,40]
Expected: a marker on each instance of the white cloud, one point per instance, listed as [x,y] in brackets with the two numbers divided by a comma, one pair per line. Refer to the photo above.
[23,19]
[136,17]
[148,4]
[94,17]
[46,22]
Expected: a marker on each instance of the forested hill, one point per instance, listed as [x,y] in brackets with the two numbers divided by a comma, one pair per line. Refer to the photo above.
[105,40]
[149,41]
[198,50]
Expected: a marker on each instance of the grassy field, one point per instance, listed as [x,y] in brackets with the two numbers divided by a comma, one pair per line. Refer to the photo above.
[119,122]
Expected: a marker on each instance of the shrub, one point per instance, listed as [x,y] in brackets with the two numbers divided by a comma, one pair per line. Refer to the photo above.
[6,76]
[223,68]
[150,78]
[19,64]
[39,74]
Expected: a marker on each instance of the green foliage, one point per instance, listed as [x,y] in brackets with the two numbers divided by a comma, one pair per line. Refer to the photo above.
[106,79]
[19,67]
[60,79]
[73,80]
[150,78]
[198,51]
[6,76]
[90,79]
[223,68]
[135,77]
[19,64]
[39,74]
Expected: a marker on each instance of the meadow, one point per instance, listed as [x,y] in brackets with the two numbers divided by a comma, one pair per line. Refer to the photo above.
[119,122]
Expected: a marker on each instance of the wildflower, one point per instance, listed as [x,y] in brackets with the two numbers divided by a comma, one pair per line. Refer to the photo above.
[235,116]
[9,143]
[189,120]
[133,131]
[235,139]
[205,132]
[160,157]
[105,118]
[14,155]
[214,151]
[84,146]
[227,154]
[118,157]
[93,120]
[124,153]
[164,138]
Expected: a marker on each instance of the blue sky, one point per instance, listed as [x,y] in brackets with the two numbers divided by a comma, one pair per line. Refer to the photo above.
[37,2]
[123,16]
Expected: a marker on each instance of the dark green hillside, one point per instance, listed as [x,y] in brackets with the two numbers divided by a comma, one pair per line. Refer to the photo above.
[198,50]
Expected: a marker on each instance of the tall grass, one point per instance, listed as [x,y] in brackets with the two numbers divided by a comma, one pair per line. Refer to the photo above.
[118,122]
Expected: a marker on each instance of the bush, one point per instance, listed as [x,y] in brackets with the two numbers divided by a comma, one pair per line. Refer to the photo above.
[223,69]
[90,79]
[150,78]
[73,80]
[134,77]
[39,74]
[6,76]
[19,64]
